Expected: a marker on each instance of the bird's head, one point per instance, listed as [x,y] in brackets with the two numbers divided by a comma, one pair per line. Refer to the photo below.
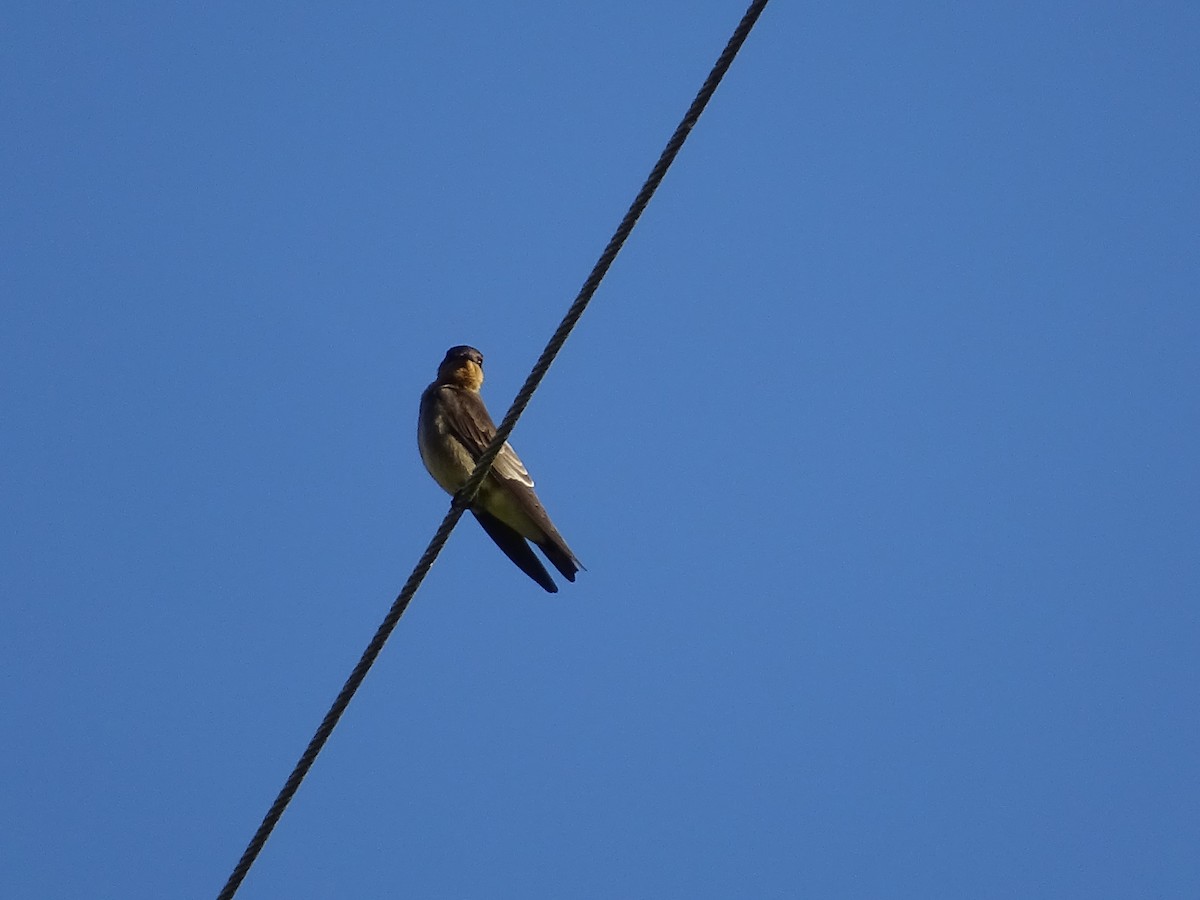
[463,366]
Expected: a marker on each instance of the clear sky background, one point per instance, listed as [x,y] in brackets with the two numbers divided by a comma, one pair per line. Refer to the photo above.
[879,442]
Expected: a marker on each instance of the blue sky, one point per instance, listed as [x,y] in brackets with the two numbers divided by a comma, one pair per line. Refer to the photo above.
[879,443]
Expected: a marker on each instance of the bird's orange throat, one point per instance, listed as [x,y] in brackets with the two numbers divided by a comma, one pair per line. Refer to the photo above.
[463,373]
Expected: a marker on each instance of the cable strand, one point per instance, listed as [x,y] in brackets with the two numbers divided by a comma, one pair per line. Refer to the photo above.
[640,202]
[463,498]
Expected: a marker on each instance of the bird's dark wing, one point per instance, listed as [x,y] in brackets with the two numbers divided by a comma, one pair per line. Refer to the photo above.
[516,549]
[468,419]
[560,554]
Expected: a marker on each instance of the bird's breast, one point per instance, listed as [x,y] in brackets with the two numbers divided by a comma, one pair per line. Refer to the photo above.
[445,458]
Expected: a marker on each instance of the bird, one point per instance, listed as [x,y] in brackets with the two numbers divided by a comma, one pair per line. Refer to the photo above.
[453,430]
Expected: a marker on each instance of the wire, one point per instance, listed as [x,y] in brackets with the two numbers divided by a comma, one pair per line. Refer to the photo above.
[467,492]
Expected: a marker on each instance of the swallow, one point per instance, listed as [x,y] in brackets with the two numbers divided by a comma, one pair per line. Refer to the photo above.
[453,430]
